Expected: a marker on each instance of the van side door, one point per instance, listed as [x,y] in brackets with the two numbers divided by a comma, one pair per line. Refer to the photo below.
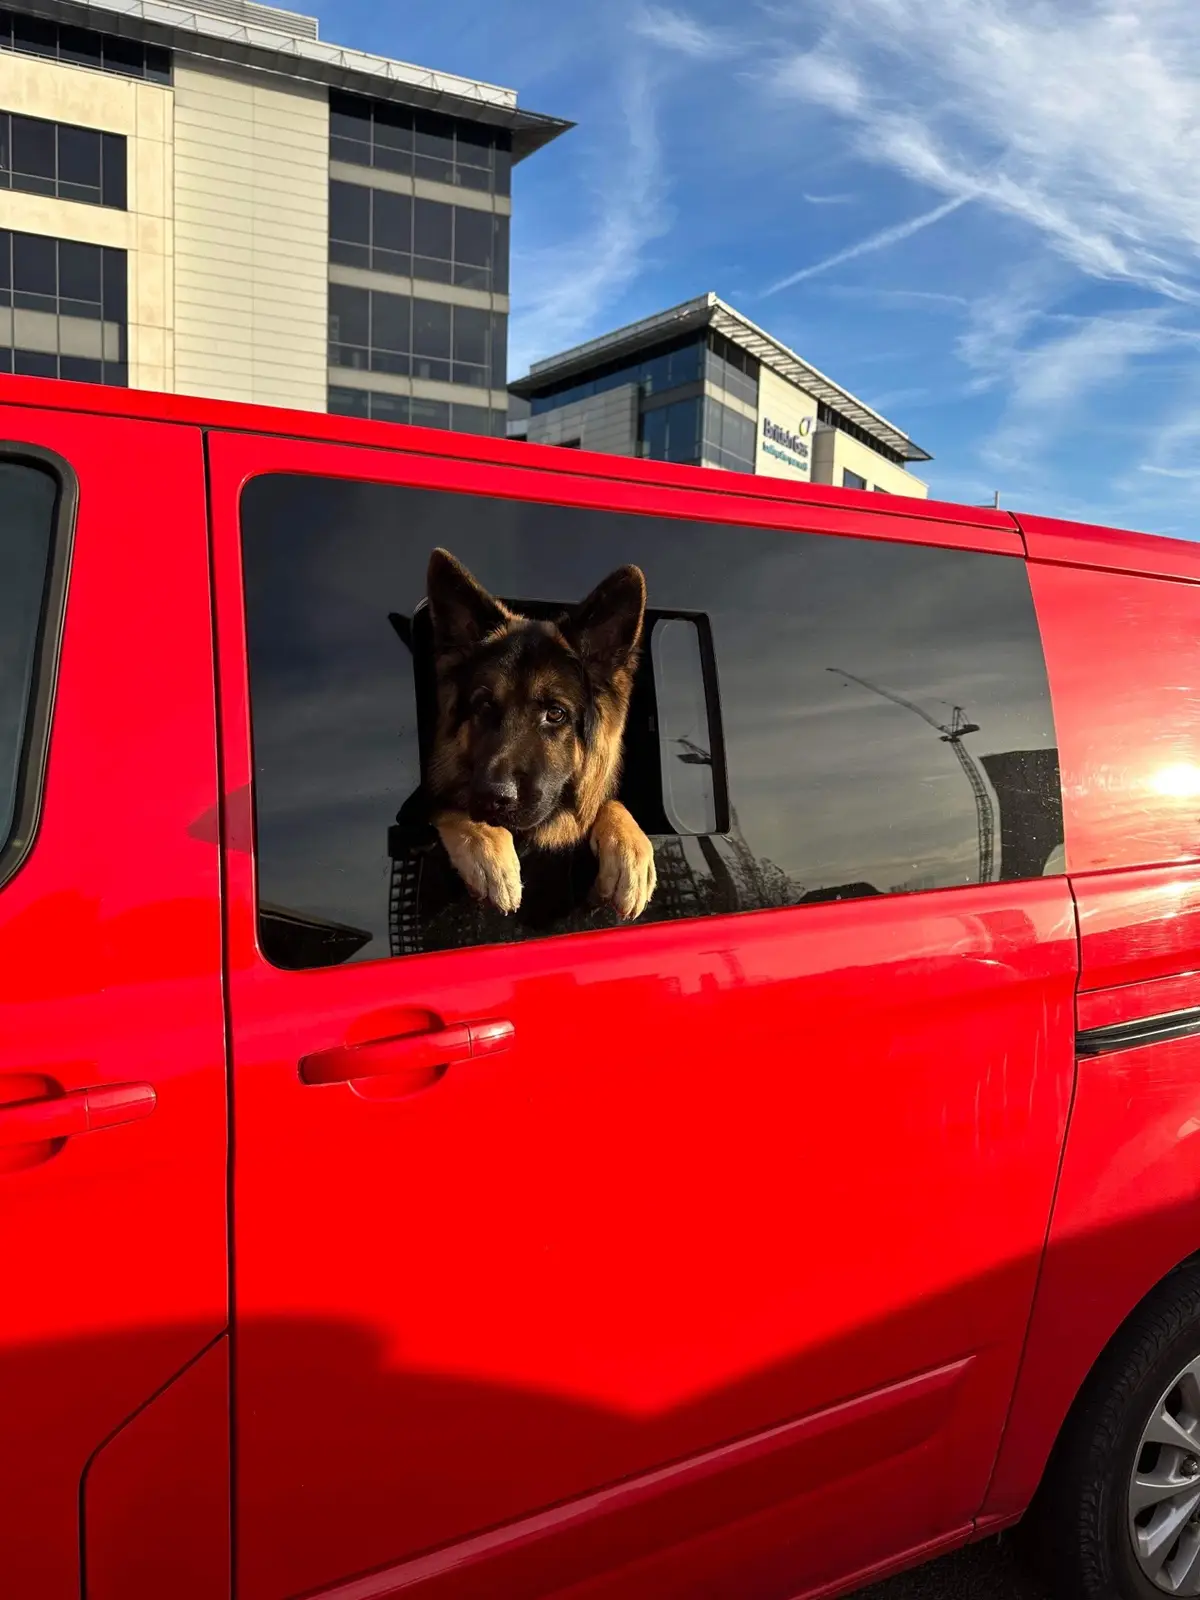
[717,1276]
[113,1261]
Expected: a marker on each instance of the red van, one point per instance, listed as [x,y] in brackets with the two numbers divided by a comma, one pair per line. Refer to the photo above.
[830,1216]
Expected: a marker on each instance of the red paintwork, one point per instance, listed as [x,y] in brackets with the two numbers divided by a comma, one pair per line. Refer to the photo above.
[234,417]
[1080,545]
[156,1497]
[612,1259]
[645,1307]
[1123,653]
[1133,1002]
[114,1242]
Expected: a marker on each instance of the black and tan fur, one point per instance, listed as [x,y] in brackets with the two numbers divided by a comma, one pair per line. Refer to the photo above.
[530,728]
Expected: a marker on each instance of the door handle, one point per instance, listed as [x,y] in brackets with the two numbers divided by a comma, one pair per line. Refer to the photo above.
[416,1060]
[64,1116]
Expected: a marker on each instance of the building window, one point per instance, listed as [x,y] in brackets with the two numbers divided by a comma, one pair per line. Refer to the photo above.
[417,238]
[729,437]
[421,144]
[84,47]
[731,368]
[372,331]
[851,480]
[63,309]
[808,786]
[655,373]
[672,432]
[59,159]
[381,407]
[830,418]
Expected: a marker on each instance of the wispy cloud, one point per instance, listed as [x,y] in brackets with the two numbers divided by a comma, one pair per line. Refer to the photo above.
[566,288]
[873,242]
[883,294]
[1049,380]
[676,31]
[1012,103]
[1071,128]
[821,77]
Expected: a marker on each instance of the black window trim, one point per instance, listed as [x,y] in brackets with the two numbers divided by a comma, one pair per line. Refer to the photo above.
[35,751]
[1138,1033]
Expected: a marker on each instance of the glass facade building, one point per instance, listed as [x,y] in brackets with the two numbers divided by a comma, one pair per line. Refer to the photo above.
[210,199]
[699,385]
[418,266]
[684,410]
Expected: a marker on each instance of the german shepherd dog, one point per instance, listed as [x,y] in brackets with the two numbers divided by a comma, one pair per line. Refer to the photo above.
[530,725]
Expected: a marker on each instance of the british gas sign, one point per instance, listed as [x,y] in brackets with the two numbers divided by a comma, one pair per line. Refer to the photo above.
[787,424]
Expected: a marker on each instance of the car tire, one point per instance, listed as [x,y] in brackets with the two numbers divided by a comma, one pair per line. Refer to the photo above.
[1095,1533]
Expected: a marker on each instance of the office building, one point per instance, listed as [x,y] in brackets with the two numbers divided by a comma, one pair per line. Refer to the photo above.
[209,199]
[702,385]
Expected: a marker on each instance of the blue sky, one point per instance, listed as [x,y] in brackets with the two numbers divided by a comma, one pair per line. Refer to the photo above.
[981,216]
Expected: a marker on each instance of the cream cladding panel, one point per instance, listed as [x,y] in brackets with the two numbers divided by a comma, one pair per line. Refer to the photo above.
[787,419]
[142,112]
[251,238]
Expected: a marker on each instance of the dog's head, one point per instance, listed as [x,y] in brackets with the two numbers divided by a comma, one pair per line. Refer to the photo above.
[530,713]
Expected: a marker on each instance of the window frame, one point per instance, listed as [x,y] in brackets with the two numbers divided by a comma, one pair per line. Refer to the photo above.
[39,713]
[17,180]
[113,306]
[156,64]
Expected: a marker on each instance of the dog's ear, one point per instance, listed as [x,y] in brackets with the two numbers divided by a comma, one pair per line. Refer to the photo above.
[606,628]
[461,610]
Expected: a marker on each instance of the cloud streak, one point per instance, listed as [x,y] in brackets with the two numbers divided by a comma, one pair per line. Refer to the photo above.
[566,287]
[677,32]
[1012,103]
[882,240]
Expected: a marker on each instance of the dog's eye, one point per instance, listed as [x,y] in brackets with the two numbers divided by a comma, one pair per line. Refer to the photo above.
[555,716]
[481,702]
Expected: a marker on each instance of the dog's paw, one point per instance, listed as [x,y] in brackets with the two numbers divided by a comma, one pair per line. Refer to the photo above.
[485,858]
[626,878]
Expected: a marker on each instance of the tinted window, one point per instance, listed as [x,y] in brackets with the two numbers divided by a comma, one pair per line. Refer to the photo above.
[391,333]
[427,143]
[63,309]
[830,785]
[672,432]
[383,407]
[84,47]
[670,368]
[28,496]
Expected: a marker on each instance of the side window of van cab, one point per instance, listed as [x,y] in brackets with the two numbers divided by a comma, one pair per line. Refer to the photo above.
[815,718]
[29,496]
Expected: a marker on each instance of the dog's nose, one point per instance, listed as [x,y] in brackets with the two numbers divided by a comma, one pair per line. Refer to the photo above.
[501,791]
[496,798]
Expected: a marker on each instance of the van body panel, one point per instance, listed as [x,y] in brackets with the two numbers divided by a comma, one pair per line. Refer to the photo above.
[825,1193]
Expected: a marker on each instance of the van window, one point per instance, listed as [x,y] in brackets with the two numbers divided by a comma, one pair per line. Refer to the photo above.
[28,496]
[829,718]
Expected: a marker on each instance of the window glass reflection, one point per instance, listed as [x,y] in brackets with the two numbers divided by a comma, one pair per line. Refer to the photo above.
[834,790]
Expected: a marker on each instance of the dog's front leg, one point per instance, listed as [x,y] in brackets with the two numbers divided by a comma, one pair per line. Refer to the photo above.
[484,857]
[626,878]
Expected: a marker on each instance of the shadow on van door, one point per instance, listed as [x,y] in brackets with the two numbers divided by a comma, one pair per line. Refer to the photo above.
[402,1450]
